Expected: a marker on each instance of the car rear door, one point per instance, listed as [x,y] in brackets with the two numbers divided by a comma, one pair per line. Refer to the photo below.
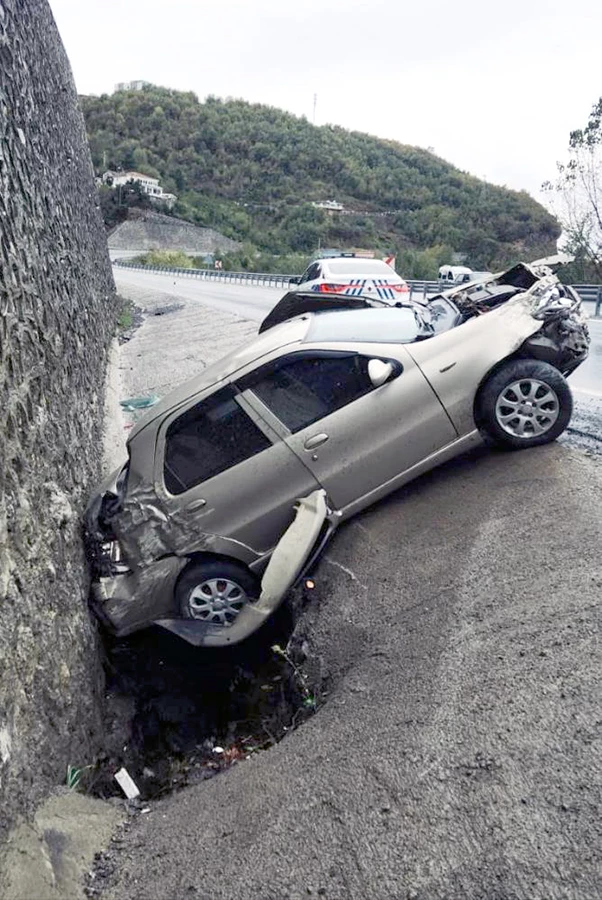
[356,439]
[223,471]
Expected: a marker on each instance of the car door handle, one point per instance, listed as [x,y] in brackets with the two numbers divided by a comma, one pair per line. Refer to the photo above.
[315,440]
[196,504]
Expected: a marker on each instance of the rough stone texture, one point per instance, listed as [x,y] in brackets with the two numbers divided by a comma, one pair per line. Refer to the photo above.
[57,312]
[153,231]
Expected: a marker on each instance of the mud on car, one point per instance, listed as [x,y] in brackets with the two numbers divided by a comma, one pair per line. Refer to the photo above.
[235,481]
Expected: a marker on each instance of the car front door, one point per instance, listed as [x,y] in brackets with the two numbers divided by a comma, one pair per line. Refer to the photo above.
[356,439]
[222,471]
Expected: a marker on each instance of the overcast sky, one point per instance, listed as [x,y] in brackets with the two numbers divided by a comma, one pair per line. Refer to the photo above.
[495,89]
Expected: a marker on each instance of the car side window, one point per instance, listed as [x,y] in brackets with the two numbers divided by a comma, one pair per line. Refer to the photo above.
[300,390]
[207,439]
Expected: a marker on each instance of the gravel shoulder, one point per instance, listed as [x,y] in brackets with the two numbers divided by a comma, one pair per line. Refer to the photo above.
[453,637]
[177,339]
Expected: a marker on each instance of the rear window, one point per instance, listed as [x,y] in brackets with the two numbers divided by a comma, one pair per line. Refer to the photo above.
[371,268]
[397,325]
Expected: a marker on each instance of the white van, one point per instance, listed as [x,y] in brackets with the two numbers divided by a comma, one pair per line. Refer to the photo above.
[454,276]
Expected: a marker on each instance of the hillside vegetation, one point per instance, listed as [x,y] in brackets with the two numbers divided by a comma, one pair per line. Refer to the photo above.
[253,171]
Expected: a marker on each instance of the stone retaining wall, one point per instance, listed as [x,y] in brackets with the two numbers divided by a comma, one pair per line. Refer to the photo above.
[153,231]
[57,315]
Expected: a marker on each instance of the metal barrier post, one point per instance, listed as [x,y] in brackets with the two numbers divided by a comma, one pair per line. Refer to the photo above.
[598,302]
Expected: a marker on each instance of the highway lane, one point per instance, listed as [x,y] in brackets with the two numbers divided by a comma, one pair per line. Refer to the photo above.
[253,303]
[585,430]
[249,301]
[588,377]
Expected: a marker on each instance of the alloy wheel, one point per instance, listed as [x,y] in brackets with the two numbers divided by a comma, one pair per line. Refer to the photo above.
[217,600]
[527,408]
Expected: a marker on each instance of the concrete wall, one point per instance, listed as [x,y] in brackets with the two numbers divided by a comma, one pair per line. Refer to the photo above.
[57,312]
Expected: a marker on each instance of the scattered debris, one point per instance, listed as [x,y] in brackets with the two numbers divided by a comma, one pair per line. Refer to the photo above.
[127,784]
[139,402]
[191,716]
[309,700]
[169,308]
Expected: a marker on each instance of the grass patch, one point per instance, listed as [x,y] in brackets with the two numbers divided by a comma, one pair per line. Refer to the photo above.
[125,318]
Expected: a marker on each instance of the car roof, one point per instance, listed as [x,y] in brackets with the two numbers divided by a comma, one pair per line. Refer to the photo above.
[357,263]
[294,303]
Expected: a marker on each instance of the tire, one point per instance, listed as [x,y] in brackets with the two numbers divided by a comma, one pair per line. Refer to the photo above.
[524,404]
[215,591]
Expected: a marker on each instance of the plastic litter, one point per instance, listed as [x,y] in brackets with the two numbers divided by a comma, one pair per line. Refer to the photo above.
[127,784]
[139,402]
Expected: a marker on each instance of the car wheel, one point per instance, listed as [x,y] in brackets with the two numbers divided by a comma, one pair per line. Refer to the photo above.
[215,591]
[524,404]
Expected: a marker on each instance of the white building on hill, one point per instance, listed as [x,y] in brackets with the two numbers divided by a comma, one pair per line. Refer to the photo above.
[148,184]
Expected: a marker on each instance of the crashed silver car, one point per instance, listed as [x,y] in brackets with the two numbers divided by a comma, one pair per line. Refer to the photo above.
[236,480]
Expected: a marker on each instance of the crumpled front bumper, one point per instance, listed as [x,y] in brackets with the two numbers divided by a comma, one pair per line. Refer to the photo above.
[127,600]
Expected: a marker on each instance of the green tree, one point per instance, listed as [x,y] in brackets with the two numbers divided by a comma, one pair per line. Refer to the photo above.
[253,171]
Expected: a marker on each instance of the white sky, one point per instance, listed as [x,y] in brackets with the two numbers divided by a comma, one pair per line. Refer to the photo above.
[494,89]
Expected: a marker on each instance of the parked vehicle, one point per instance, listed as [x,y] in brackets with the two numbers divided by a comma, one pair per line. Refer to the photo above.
[454,276]
[323,413]
[354,276]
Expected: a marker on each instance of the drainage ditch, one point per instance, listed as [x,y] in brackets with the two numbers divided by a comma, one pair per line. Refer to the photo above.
[177,715]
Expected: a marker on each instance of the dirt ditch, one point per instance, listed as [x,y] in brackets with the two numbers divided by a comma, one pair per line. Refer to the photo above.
[177,715]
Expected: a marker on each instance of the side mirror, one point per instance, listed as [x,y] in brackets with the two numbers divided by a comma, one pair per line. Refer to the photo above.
[295,280]
[379,372]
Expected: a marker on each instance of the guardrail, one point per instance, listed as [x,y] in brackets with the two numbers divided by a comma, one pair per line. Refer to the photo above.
[590,293]
[267,279]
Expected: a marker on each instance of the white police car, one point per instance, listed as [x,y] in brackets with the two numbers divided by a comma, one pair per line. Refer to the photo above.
[354,276]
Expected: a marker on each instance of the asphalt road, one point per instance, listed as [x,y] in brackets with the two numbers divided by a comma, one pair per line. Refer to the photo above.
[453,641]
[250,302]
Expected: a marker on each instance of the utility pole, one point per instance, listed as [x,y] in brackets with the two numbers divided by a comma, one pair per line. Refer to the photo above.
[315,103]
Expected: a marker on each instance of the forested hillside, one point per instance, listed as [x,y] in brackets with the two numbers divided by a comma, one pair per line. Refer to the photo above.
[253,171]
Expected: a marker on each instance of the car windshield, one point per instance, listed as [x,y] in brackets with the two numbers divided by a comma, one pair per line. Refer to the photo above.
[357,267]
[395,325]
